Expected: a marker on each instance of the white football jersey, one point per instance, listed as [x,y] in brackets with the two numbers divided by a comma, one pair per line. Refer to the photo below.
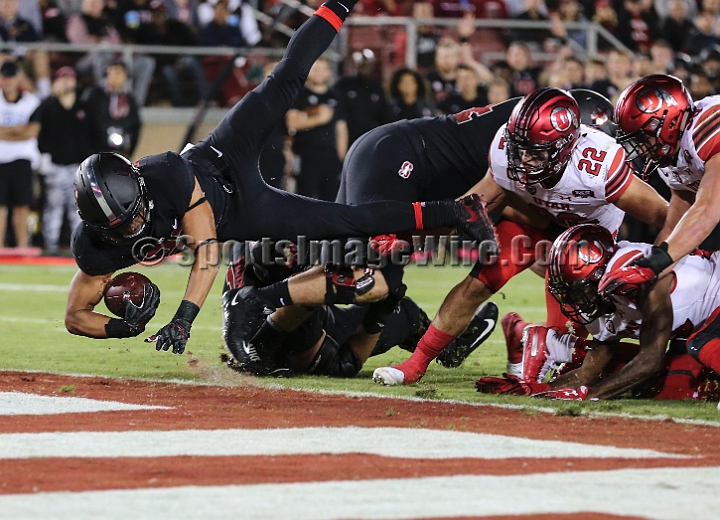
[14,114]
[595,177]
[694,297]
[700,141]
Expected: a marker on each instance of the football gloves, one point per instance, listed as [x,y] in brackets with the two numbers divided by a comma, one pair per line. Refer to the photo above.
[138,316]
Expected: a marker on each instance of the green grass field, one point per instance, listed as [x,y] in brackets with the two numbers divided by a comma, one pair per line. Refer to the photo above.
[32,303]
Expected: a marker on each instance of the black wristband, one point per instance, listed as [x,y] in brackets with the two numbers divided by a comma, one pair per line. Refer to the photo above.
[463,39]
[116,328]
[187,311]
[658,260]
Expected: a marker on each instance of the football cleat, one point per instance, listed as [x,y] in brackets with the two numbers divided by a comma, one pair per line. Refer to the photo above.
[410,343]
[389,376]
[481,326]
[512,326]
[473,219]
[535,351]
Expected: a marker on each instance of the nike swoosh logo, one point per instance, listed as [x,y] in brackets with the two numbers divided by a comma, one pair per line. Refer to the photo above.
[234,300]
[473,215]
[346,9]
[489,324]
[220,154]
[534,349]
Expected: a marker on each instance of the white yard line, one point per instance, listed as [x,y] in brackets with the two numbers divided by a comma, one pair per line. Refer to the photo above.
[661,494]
[17,403]
[411,443]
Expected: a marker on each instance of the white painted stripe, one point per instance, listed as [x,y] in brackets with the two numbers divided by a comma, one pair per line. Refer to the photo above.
[35,287]
[662,494]
[410,443]
[17,403]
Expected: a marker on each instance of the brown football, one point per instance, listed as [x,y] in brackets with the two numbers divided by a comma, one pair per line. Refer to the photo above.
[130,284]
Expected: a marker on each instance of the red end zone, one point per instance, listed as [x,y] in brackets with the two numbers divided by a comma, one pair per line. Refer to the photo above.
[250,408]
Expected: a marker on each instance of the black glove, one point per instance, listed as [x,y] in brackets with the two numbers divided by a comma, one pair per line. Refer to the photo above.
[177,332]
[138,316]
[658,260]
[379,313]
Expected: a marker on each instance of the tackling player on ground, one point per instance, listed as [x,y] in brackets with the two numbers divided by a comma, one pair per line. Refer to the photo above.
[569,172]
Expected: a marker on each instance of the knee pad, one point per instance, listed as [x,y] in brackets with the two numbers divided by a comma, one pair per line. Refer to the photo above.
[335,360]
[341,287]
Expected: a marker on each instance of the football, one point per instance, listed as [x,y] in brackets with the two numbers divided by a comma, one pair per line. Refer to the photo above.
[125,285]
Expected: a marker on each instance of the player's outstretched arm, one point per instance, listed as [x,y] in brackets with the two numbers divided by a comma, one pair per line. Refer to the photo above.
[199,226]
[641,201]
[680,202]
[704,215]
[490,191]
[85,293]
[598,356]
[657,318]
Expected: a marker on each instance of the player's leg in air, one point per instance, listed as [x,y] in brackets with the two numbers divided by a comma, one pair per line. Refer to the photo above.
[459,307]
[257,210]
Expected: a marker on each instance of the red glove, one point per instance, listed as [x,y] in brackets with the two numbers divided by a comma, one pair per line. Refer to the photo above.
[509,385]
[565,394]
[385,245]
[626,281]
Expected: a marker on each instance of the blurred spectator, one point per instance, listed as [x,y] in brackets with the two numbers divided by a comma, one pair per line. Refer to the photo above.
[466,28]
[700,85]
[443,78]
[408,95]
[662,56]
[114,112]
[29,10]
[66,137]
[221,31]
[92,26]
[525,78]
[317,124]
[605,15]
[478,8]
[54,21]
[380,8]
[14,28]
[498,91]
[682,66]
[643,64]
[677,27]
[18,151]
[575,72]
[471,93]
[595,70]
[169,31]
[619,66]
[239,15]
[428,36]
[572,11]
[638,24]
[184,11]
[534,11]
[555,78]
[276,159]
[664,8]
[502,69]
[362,95]
[703,36]
[710,61]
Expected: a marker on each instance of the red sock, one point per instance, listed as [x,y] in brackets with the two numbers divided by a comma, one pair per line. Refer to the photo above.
[709,355]
[429,347]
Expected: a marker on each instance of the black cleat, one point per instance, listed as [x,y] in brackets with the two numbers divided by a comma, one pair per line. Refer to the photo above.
[473,219]
[480,328]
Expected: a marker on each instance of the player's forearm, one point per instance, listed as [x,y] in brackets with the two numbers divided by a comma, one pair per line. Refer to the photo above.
[694,227]
[86,323]
[203,273]
[640,369]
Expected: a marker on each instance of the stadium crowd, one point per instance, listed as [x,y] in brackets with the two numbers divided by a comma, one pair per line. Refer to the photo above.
[99,95]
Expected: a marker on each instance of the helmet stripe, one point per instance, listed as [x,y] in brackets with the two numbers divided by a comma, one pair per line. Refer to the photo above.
[99,197]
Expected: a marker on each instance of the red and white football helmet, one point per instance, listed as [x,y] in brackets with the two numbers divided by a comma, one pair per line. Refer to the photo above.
[541,134]
[656,106]
[578,259]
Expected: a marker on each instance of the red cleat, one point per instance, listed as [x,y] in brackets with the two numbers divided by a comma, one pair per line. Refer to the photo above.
[535,351]
[512,327]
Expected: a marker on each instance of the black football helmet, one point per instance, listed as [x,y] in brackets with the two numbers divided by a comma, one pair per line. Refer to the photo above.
[595,110]
[111,198]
